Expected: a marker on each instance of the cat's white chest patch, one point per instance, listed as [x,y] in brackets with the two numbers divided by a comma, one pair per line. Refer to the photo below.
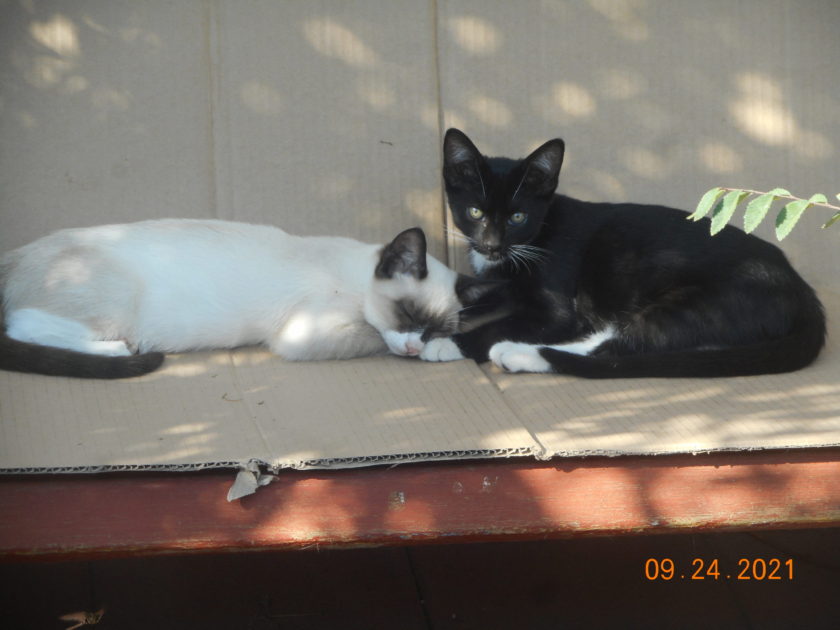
[480,263]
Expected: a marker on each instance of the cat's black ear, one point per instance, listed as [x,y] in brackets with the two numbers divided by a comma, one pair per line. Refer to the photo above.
[472,291]
[542,167]
[405,254]
[461,159]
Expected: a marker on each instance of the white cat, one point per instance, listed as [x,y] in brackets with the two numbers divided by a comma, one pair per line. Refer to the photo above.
[80,302]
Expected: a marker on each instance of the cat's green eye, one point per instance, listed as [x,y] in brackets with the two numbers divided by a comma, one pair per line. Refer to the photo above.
[517,218]
[475,213]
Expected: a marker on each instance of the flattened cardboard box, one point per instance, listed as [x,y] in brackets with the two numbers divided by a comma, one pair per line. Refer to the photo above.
[226,409]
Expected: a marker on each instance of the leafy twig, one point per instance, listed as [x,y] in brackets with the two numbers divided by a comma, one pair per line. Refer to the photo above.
[722,208]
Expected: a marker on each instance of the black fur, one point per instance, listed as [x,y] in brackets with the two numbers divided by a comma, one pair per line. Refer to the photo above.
[684,303]
[405,254]
[19,356]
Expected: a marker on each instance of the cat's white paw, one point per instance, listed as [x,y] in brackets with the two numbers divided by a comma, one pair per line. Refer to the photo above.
[441,349]
[518,357]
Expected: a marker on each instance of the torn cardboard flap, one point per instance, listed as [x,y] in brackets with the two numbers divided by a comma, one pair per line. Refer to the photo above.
[248,480]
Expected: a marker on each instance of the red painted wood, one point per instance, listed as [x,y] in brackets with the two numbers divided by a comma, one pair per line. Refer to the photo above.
[59,516]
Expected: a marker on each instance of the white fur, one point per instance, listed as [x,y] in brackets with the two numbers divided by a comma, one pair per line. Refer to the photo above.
[587,344]
[441,349]
[404,343]
[173,285]
[525,357]
[33,325]
[480,263]
[518,357]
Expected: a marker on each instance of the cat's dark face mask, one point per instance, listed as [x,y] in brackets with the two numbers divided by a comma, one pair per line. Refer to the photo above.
[499,204]
[415,298]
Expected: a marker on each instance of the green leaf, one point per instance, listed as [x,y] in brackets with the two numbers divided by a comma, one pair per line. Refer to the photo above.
[706,203]
[788,216]
[757,210]
[832,220]
[724,210]
[779,192]
[818,198]
[838,196]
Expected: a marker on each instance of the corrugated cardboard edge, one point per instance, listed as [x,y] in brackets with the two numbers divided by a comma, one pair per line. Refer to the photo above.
[309,464]
[340,463]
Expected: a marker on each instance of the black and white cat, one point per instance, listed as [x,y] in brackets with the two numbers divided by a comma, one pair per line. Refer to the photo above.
[606,290]
[81,302]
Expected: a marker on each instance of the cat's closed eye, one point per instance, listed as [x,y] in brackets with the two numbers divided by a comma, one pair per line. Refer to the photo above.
[475,213]
[518,218]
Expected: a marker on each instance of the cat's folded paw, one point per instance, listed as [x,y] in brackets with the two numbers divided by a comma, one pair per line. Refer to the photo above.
[441,349]
[518,357]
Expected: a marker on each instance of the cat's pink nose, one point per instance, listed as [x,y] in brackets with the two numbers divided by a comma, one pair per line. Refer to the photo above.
[411,349]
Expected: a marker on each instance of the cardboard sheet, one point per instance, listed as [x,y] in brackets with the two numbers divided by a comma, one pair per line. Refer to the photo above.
[571,416]
[226,409]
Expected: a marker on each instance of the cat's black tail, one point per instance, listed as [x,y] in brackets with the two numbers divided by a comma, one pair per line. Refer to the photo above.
[775,356]
[19,356]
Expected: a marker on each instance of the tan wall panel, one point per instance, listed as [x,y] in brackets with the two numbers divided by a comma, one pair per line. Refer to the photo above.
[657,101]
[104,114]
[326,118]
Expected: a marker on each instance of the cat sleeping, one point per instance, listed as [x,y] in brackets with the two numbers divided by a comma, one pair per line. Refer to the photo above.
[108,301]
[606,290]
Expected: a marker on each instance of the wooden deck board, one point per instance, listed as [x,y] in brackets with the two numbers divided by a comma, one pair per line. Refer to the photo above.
[73,516]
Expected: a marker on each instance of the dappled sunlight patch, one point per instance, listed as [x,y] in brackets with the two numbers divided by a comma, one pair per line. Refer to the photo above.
[623,395]
[624,17]
[70,270]
[451,118]
[334,40]
[474,35]
[574,99]
[760,110]
[186,429]
[59,34]
[43,71]
[490,111]
[765,121]
[402,413]
[376,93]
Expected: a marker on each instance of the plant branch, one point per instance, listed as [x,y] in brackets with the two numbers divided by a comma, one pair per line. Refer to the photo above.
[791,197]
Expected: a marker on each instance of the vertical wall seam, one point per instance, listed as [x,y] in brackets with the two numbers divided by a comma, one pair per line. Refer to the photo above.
[449,241]
[211,47]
